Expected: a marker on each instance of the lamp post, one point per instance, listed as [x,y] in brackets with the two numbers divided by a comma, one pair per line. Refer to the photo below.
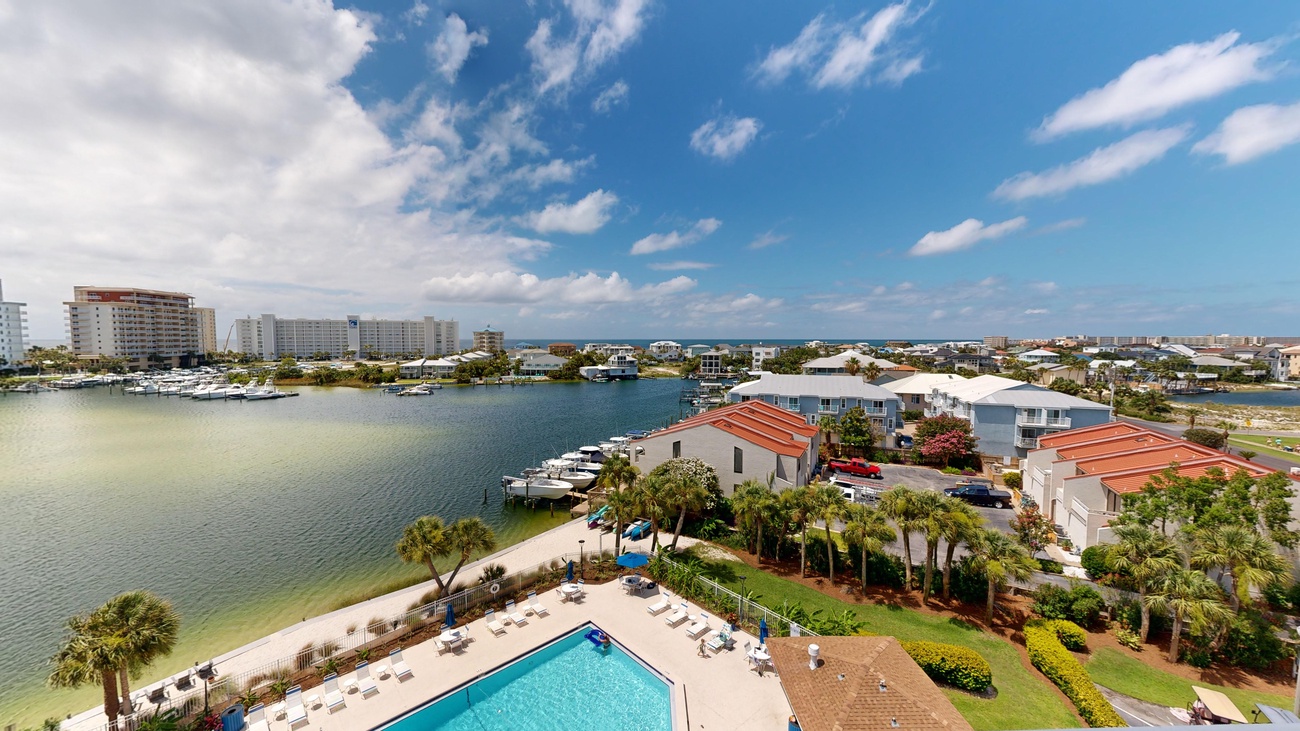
[581,566]
[741,609]
[207,674]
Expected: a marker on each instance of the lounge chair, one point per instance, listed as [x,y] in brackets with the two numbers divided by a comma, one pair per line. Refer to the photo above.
[538,609]
[294,711]
[719,640]
[514,614]
[659,606]
[700,627]
[677,617]
[400,669]
[491,619]
[365,683]
[333,696]
[441,646]
[257,719]
[582,587]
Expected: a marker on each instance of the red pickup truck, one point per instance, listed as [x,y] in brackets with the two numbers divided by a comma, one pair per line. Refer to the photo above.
[855,466]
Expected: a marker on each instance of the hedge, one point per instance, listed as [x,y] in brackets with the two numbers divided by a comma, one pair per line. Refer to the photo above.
[1043,640]
[960,667]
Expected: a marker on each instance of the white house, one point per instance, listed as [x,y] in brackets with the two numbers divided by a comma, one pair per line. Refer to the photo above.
[761,353]
[617,368]
[914,391]
[540,364]
[835,365]
[1039,356]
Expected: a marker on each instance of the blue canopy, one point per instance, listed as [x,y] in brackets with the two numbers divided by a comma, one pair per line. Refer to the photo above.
[569,576]
[762,631]
[633,560]
[451,616]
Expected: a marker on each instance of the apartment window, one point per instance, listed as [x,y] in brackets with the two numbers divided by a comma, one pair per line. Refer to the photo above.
[792,403]
[677,449]
[738,458]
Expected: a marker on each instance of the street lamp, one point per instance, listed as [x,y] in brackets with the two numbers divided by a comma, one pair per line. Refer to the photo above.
[741,609]
[581,566]
[207,674]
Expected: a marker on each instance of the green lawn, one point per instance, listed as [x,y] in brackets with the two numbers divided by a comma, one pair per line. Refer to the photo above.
[1265,445]
[1123,674]
[1025,700]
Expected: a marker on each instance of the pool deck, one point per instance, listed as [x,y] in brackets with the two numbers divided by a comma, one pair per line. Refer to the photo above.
[718,692]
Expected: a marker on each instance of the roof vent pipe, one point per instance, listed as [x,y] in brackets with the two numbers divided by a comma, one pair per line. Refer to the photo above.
[813,652]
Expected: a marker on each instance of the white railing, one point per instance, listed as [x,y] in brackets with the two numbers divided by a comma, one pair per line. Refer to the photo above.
[1027,442]
[875,411]
[1059,422]
[748,610]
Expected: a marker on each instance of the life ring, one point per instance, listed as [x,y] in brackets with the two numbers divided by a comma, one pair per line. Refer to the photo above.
[494,588]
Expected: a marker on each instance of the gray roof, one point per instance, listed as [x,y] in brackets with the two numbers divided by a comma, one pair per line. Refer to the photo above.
[780,384]
[1039,398]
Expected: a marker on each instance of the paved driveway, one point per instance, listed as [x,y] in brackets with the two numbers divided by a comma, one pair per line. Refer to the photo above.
[924,478]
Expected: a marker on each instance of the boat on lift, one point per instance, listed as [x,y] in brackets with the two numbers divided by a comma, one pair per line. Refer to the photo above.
[535,487]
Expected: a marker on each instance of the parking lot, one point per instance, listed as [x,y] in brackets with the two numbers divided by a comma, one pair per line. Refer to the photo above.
[924,478]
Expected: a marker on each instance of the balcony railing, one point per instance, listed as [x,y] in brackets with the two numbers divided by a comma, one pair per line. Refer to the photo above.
[1055,422]
[875,411]
[821,409]
[1027,442]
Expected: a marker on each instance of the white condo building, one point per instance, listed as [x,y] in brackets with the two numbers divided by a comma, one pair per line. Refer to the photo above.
[13,329]
[147,327]
[272,338]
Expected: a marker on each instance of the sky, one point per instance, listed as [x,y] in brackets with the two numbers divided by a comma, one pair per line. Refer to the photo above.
[644,169]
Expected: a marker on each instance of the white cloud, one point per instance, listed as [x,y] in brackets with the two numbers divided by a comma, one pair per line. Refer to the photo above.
[1101,165]
[1155,85]
[1037,311]
[842,55]
[507,287]
[1251,132]
[416,14]
[584,217]
[766,239]
[964,235]
[615,95]
[725,137]
[675,239]
[1064,225]
[1044,287]
[603,29]
[677,266]
[451,49]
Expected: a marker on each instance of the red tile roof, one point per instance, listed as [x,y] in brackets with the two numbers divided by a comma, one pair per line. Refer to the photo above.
[756,422]
[1112,445]
[1088,433]
[1159,455]
[1132,481]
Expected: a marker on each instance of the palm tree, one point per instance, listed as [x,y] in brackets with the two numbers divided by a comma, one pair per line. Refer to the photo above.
[753,504]
[1247,558]
[651,501]
[88,654]
[468,536]
[872,371]
[616,473]
[146,625]
[422,542]
[1192,413]
[1147,556]
[829,506]
[620,507]
[1001,558]
[962,525]
[852,366]
[870,529]
[1192,598]
[797,503]
[931,519]
[898,504]
[684,494]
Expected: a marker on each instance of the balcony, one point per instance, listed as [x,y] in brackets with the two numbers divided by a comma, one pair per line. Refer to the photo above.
[1027,442]
[875,411]
[821,409]
[1041,421]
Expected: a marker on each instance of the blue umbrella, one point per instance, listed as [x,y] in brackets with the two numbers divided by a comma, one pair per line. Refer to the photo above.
[633,560]
[569,576]
[762,631]
[451,616]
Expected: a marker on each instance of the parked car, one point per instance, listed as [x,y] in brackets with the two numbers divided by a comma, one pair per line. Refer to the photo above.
[855,466]
[979,492]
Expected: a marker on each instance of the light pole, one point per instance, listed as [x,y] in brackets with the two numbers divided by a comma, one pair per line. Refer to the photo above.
[741,609]
[207,674]
[581,567]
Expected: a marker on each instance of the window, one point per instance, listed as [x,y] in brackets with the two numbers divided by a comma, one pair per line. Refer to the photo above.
[677,449]
[792,403]
[738,457]
[826,406]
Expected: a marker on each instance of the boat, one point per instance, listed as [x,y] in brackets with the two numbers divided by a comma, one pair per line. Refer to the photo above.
[592,454]
[263,392]
[236,391]
[566,471]
[581,463]
[424,389]
[535,487]
[593,520]
[209,392]
[636,526]
[640,531]
[33,387]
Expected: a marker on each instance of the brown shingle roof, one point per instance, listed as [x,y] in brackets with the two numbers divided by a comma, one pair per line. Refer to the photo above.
[843,693]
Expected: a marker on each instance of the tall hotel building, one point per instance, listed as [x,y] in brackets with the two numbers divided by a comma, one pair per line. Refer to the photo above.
[146,327]
[207,329]
[271,338]
[13,330]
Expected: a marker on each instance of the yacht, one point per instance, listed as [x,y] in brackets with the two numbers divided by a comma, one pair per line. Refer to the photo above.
[566,471]
[33,387]
[209,391]
[424,389]
[535,487]
[580,462]
[237,391]
[263,392]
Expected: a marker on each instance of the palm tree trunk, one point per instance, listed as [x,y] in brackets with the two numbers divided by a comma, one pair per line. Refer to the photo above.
[931,549]
[830,554]
[654,530]
[759,553]
[907,561]
[618,537]
[437,578]
[803,549]
[947,567]
[1173,641]
[124,686]
[681,522]
[864,567]
[112,708]
[988,611]
[1145,614]
[1236,600]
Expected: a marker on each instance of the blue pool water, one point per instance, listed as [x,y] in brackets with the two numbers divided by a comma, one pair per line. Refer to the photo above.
[570,684]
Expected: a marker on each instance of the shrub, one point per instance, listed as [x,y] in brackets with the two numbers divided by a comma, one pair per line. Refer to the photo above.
[1212,438]
[492,572]
[1252,642]
[951,471]
[1080,604]
[1048,566]
[1042,640]
[960,667]
[1094,561]
[883,569]
[1011,480]
[968,583]
[913,414]
[1128,638]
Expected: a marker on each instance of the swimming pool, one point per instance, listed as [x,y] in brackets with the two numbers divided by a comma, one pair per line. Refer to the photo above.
[568,684]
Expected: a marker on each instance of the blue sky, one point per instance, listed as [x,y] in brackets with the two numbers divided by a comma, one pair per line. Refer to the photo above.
[635,169]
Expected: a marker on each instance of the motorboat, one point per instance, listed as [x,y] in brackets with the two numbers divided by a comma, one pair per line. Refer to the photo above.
[146,388]
[535,487]
[263,392]
[580,462]
[424,389]
[592,454]
[33,387]
[236,392]
[209,391]
[566,470]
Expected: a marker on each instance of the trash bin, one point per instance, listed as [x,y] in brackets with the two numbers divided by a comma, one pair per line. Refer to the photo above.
[232,719]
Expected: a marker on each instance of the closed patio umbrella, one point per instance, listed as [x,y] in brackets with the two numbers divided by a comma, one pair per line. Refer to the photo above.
[568,577]
[762,631]
[451,616]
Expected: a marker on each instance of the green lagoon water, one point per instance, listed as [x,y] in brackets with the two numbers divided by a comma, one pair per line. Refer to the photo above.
[252,516]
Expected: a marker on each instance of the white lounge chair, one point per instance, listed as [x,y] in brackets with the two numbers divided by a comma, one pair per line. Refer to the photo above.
[659,606]
[514,614]
[401,670]
[333,696]
[491,619]
[537,607]
[365,683]
[257,719]
[294,711]
[677,617]
[700,627]
[719,640]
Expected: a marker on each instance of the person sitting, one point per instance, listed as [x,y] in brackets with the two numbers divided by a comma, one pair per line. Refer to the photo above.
[604,641]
